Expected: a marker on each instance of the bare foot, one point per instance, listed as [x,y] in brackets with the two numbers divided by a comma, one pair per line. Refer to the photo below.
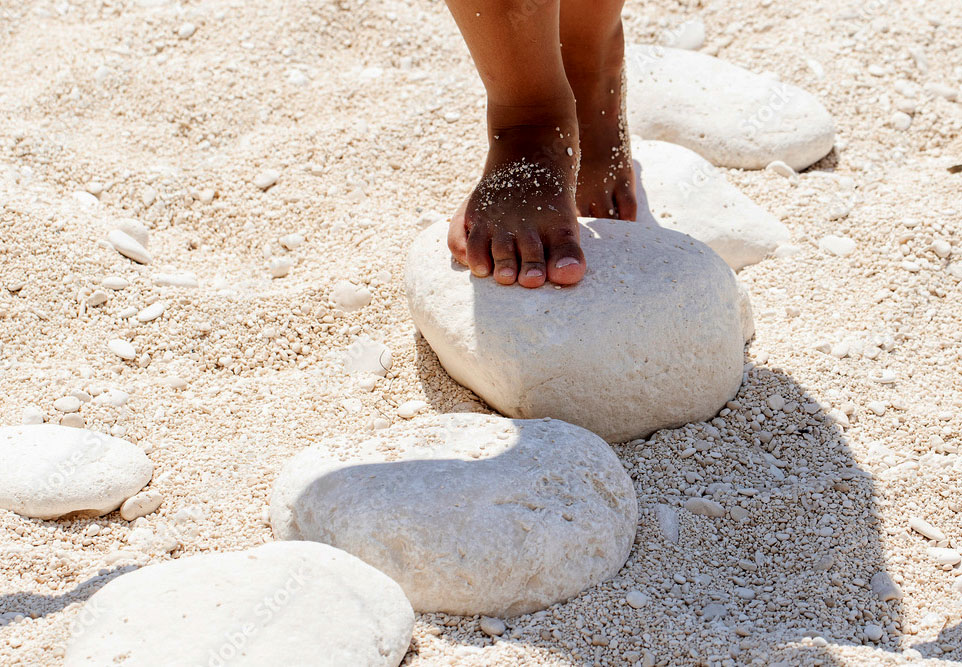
[606,186]
[520,223]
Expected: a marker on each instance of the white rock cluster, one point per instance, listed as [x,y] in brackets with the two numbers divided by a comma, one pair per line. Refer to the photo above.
[732,117]
[289,603]
[651,338]
[470,514]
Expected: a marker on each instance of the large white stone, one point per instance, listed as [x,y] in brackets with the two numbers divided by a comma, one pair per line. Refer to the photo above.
[685,192]
[731,116]
[293,603]
[470,514]
[49,471]
[651,338]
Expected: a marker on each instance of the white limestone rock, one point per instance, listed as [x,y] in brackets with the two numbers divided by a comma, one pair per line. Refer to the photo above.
[732,117]
[49,471]
[350,297]
[650,339]
[469,513]
[129,247]
[291,603]
[687,193]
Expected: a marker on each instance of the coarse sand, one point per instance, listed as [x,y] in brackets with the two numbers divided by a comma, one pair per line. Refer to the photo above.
[368,118]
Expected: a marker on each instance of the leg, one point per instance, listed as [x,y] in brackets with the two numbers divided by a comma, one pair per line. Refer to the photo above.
[593,48]
[520,223]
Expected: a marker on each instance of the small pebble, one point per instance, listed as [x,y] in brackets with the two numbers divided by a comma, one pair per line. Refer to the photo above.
[409,409]
[841,246]
[636,599]
[493,627]
[129,247]
[291,241]
[704,507]
[186,31]
[141,504]
[267,179]
[73,421]
[115,283]
[152,312]
[67,404]
[925,528]
[97,298]
[878,407]
[31,415]
[783,169]
[873,632]
[901,121]
[944,556]
[280,266]
[122,348]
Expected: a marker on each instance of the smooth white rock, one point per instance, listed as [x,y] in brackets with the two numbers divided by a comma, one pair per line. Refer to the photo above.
[350,297]
[183,279]
[885,587]
[493,627]
[367,356]
[705,507]
[114,397]
[291,241]
[186,30]
[687,193]
[783,170]
[280,266]
[73,420]
[732,117]
[97,298]
[136,230]
[944,556]
[873,632]
[67,404]
[48,471]
[127,246]
[267,178]
[651,338]
[123,349]
[409,409]
[85,199]
[636,599]
[690,35]
[666,517]
[292,603]
[840,246]
[31,415]
[901,121]
[115,283]
[470,514]
[925,528]
[141,504]
[152,312]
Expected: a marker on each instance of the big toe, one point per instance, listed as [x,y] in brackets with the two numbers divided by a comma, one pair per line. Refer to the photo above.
[566,261]
[458,235]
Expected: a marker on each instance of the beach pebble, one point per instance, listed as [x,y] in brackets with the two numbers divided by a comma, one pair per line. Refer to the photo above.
[493,627]
[73,420]
[391,505]
[840,246]
[704,507]
[367,356]
[409,409]
[714,611]
[884,586]
[129,247]
[85,199]
[935,89]
[48,471]
[732,117]
[873,632]
[123,349]
[182,279]
[687,193]
[690,35]
[290,603]
[636,599]
[97,298]
[115,397]
[267,178]
[291,241]
[901,120]
[31,415]
[653,296]
[350,297]
[186,30]
[926,529]
[141,504]
[877,407]
[115,283]
[782,169]
[744,592]
[280,266]
[666,517]
[135,229]
[944,556]
[152,312]
[67,404]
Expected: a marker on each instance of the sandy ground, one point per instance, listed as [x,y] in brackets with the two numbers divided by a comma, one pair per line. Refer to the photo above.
[379,128]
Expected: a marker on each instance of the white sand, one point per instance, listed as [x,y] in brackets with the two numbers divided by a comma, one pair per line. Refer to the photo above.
[372,115]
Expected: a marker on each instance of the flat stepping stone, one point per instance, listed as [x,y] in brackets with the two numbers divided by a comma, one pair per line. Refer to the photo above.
[49,471]
[290,603]
[651,338]
[732,117]
[685,192]
[470,514]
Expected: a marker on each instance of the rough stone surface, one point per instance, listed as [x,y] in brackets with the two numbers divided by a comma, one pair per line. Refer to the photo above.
[687,193]
[48,471]
[293,603]
[475,514]
[651,338]
[732,117]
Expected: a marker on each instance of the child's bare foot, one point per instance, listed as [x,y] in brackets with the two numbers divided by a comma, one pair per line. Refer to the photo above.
[594,67]
[520,223]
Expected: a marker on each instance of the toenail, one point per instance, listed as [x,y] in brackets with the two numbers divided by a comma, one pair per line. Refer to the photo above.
[533,273]
[481,272]
[506,272]
[566,261]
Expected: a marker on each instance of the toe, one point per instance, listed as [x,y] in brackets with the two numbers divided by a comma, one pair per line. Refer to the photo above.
[532,272]
[595,210]
[458,236]
[625,201]
[566,261]
[505,259]
[479,250]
